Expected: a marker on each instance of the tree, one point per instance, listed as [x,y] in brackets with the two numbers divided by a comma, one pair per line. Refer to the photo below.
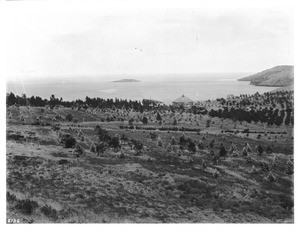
[159,142]
[287,119]
[173,141]
[100,148]
[182,140]
[223,151]
[11,99]
[260,150]
[158,117]
[145,120]
[115,142]
[175,121]
[102,134]
[69,117]
[131,121]
[279,120]
[138,146]
[68,140]
[192,147]
[153,135]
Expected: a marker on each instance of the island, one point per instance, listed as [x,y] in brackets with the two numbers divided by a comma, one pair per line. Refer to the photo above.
[126,80]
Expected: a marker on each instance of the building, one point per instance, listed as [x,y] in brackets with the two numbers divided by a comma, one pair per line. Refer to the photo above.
[184,101]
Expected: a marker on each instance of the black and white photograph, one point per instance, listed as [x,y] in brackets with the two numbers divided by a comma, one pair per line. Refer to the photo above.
[147,112]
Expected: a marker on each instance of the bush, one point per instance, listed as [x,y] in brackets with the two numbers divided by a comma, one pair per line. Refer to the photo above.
[63,161]
[173,141]
[102,134]
[137,145]
[223,151]
[10,197]
[26,206]
[50,212]
[145,120]
[13,136]
[153,135]
[69,117]
[68,141]
[115,142]
[192,147]
[264,166]
[159,142]
[100,148]
[182,140]
[289,168]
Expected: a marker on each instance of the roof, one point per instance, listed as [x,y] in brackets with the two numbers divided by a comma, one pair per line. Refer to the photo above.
[183,99]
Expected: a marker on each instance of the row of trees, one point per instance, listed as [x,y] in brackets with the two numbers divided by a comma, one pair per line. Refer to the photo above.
[270,116]
[12,99]
[273,99]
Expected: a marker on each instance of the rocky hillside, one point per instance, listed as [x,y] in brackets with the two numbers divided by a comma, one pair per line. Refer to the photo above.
[278,76]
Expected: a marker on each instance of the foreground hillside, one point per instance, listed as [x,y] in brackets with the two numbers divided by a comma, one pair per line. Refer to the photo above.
[278,76]
[167,180]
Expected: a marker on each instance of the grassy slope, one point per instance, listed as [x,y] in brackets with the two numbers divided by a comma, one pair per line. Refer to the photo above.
[158,186]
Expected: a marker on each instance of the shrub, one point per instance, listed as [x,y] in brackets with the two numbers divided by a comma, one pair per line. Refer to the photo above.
[124,137]
[68,140]
[100,148]
[223,151]
[289,167]
[182,140]
[115,142]
[153,135]
[145,120]
[173,141]
[159,142]
[93,148]
[63,161]
[10,197]
[264,166]
[192,147]
[69,117]
[55,128]
[260,150]
[50,212]
[13,136]
[26,206]
[271,177]
[130,122]
[102,134]
[201,146]
[138,145]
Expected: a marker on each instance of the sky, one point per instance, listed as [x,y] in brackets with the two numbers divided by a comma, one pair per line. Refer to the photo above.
[92,39]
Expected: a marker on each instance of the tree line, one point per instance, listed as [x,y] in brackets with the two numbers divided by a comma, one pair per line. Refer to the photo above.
[36,101]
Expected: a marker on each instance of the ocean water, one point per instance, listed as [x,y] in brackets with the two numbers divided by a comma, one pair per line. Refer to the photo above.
[164,88]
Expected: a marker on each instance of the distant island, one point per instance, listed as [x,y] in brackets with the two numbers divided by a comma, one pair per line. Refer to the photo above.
[127,80]
[279,76]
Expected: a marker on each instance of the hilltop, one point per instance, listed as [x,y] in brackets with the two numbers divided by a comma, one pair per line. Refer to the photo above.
[127,80]
[278,76]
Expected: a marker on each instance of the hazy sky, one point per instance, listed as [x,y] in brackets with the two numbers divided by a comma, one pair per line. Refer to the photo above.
[95,39]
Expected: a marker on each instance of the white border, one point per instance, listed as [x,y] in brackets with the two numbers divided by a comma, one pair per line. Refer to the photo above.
[6,7]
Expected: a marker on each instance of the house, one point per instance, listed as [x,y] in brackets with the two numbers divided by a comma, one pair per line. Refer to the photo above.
[183,100]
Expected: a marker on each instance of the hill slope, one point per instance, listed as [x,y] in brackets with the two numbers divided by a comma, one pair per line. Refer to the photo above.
[274,77]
